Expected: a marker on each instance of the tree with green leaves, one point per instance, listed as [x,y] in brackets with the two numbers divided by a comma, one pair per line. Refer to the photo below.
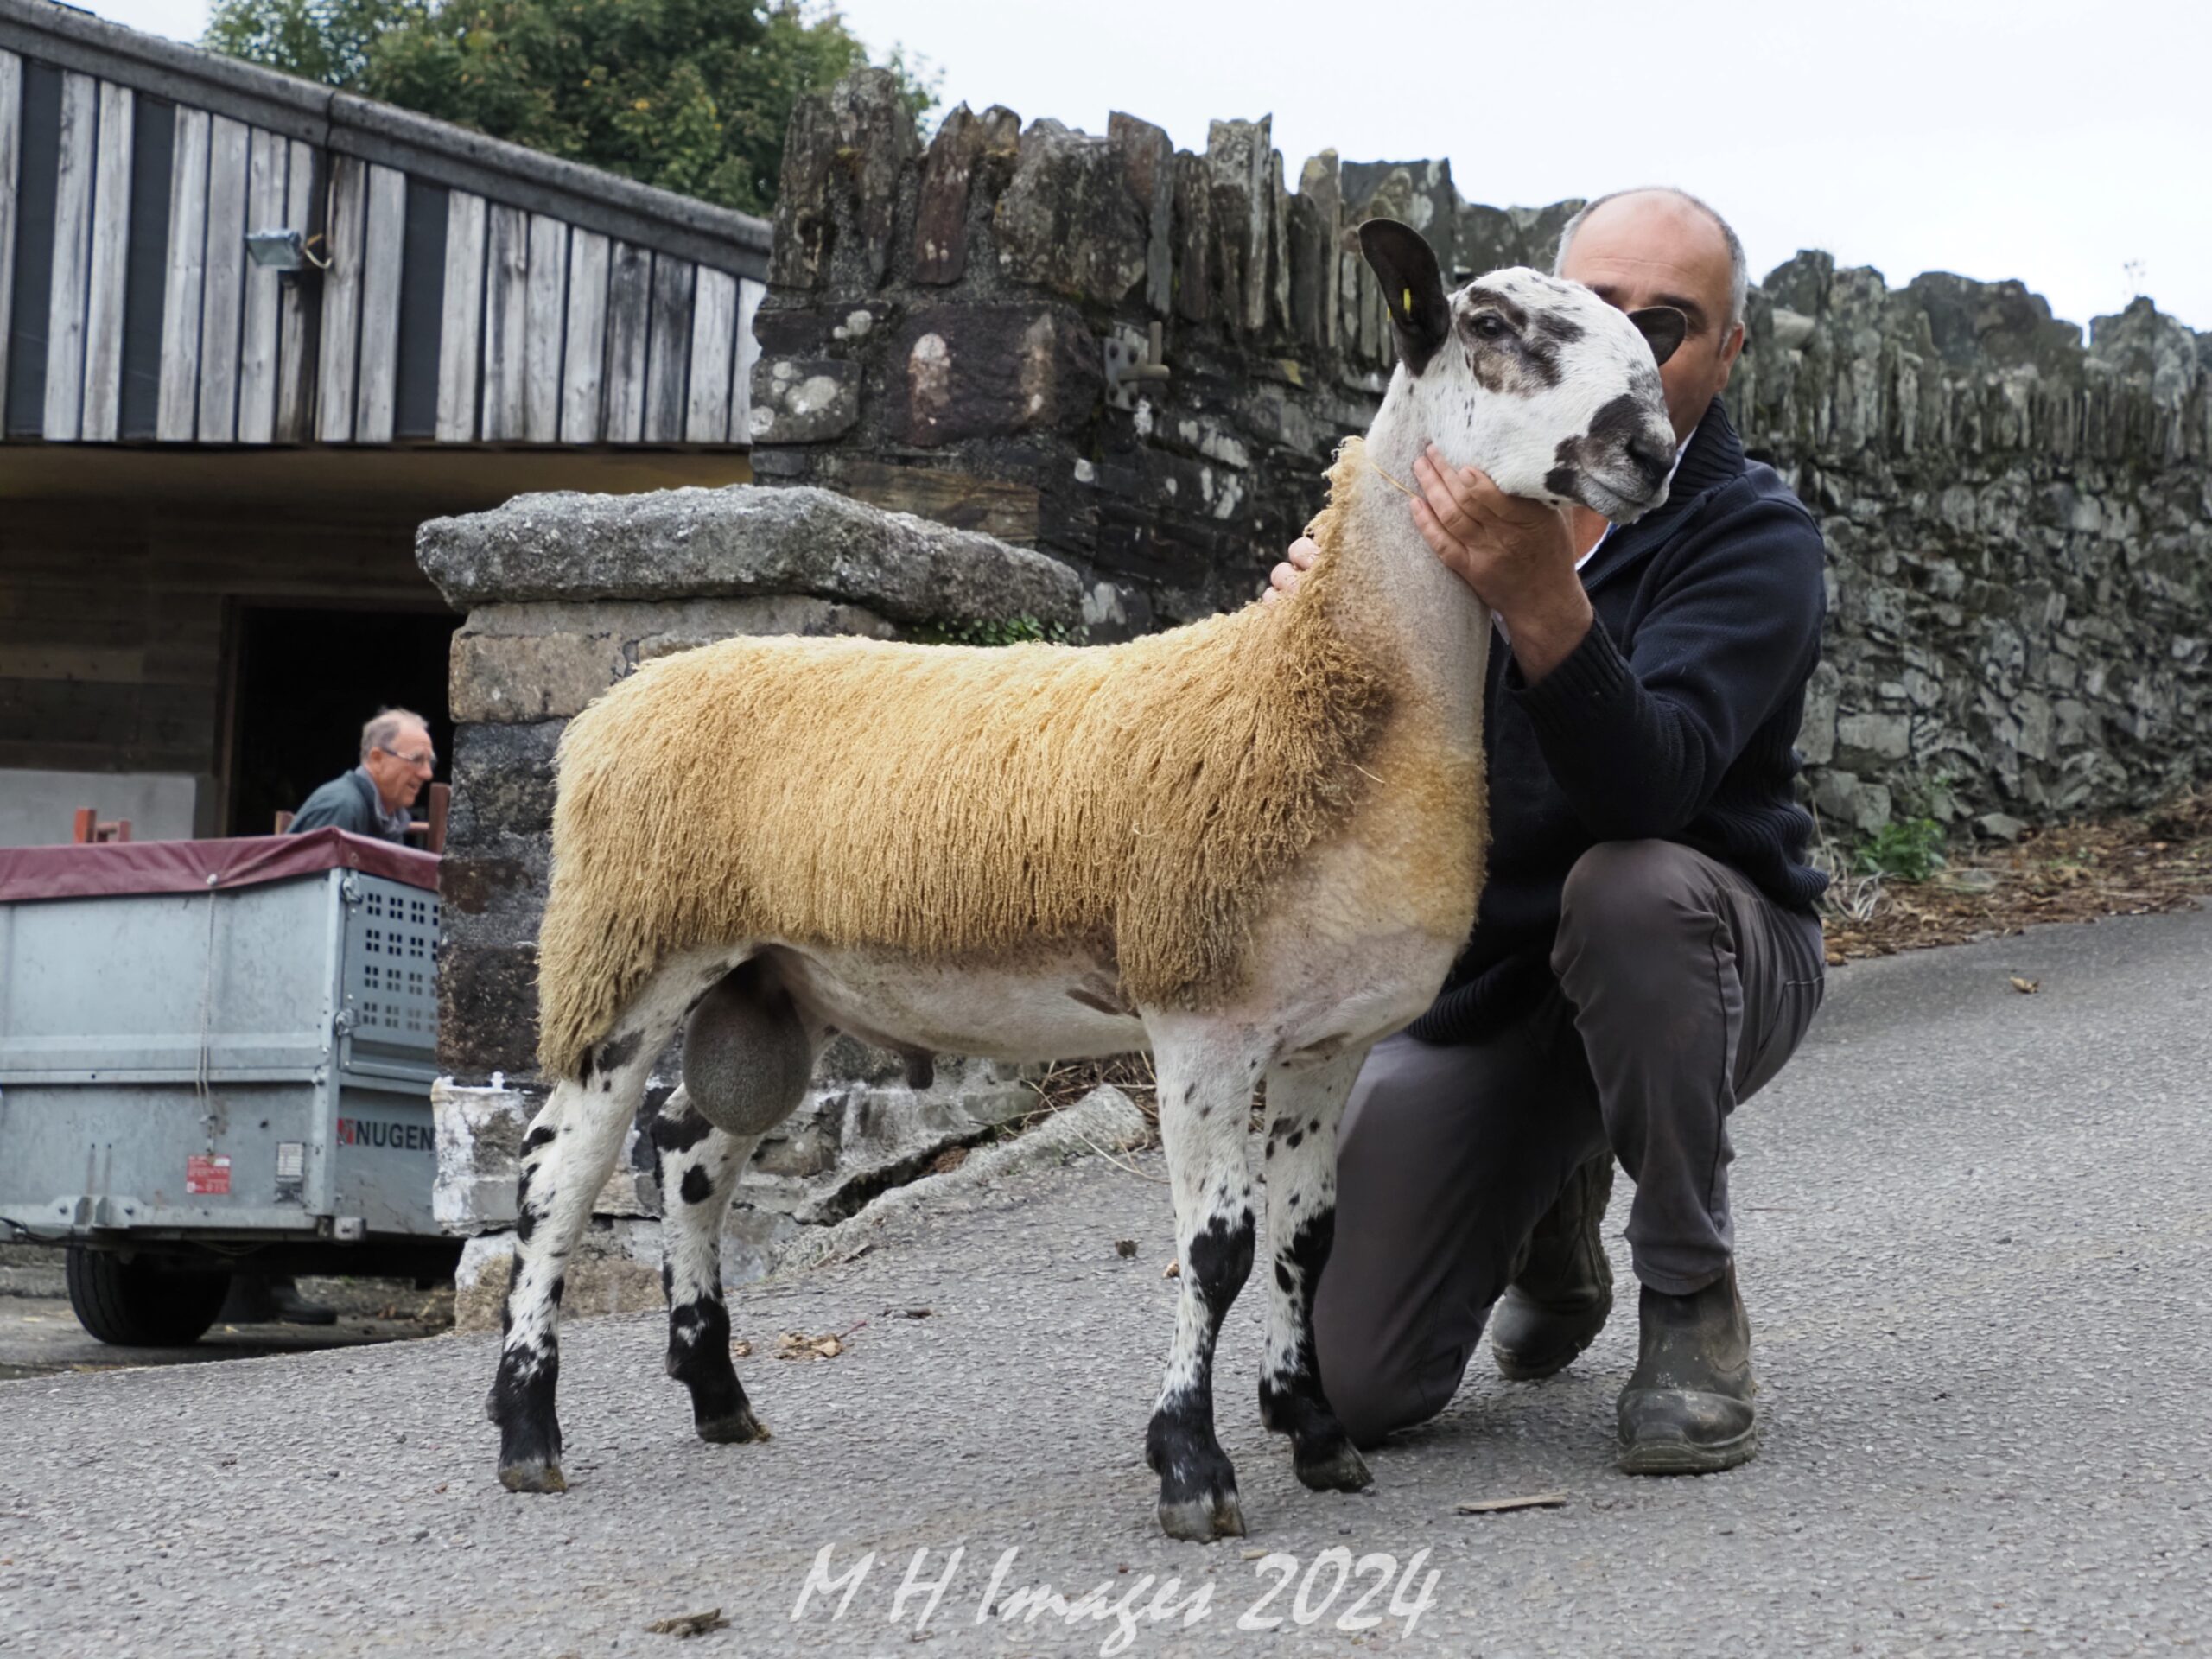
[690,95]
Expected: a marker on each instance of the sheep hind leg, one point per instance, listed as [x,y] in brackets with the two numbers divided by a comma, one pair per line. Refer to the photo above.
[699,1167]
[747,1058]
[1205,1090]
[1304,1105]
[567,1155]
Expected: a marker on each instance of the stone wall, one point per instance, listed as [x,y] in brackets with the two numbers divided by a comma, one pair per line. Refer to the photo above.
[2018,524]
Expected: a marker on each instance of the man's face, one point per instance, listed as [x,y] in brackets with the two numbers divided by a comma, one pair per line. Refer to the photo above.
[400,771]
[1655,249]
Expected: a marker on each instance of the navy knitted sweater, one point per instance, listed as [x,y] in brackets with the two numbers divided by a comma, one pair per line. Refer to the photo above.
[1673,720]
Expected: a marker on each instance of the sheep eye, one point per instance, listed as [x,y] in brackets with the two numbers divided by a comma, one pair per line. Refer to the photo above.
[1487,325]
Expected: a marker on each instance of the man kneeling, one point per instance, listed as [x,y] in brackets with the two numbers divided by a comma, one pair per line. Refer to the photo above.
[1647,954]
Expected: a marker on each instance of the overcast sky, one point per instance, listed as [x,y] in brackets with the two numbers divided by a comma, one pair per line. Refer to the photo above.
[2057,143]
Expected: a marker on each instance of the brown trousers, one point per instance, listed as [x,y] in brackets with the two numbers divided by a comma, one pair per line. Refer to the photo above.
[1683,990]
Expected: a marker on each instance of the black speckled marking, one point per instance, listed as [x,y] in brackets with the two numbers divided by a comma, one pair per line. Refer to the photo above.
[696,1188]
[1179,1442]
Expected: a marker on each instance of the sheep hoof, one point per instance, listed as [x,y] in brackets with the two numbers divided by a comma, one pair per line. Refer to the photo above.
[1341,1470]
[532,1475]
[1201,1520]
[732,1428]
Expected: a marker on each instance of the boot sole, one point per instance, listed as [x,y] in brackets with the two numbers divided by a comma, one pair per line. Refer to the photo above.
[1681,1457]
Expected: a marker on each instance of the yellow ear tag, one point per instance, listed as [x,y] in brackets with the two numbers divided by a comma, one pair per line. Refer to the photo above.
[1406,303]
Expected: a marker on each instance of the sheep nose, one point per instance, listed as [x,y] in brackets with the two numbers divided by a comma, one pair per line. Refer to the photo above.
[1652,456]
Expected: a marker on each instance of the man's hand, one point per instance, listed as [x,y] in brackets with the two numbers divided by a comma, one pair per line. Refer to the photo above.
[1518,555]
[1282,581]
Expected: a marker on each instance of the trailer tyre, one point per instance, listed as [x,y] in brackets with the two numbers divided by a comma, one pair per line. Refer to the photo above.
[134,1305]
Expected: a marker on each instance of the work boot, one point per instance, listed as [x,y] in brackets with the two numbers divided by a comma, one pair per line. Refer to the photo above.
[1562,1292]
[1688,1409]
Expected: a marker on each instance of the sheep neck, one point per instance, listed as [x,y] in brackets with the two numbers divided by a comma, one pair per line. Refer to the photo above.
[1388,595]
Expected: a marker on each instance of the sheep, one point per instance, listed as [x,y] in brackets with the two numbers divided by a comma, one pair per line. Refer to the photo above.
[1252,846]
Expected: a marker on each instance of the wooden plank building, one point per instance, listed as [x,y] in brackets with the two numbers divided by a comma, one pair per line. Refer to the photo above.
[210,470]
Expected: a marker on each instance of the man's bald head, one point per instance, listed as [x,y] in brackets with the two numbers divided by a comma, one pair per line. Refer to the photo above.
[1739,270]
[1664,247]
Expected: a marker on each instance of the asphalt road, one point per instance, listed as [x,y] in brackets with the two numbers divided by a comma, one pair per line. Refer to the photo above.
[1976,1238]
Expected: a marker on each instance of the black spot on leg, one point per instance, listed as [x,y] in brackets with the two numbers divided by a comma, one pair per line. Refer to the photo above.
[1296,1135]
[696,1188]
[619,1052]
[667,1279]
[543,1136]
[1283,1281]
[560,1283]
[699,1358]
[1220,1261]
[525,1222]
[679,1131]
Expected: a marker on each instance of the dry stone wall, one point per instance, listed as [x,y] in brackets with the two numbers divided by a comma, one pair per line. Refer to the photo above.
[2017,521]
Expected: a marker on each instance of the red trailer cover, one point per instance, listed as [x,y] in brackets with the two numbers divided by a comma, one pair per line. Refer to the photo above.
[79,872]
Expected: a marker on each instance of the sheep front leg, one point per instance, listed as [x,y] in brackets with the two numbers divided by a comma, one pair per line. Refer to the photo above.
[1206,1090]
[1304,1105]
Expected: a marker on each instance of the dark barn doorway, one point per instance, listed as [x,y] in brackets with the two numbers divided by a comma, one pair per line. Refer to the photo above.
[305,682]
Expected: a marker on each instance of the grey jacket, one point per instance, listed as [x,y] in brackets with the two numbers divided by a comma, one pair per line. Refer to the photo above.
[351,803]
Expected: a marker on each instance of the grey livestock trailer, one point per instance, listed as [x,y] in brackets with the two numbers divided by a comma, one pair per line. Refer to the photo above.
[216,1056]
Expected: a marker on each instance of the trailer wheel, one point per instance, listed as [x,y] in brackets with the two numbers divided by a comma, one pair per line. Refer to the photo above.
[134,1305]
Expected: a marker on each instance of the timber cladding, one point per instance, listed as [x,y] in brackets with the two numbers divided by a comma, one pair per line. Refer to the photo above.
[475,292]
[113,620]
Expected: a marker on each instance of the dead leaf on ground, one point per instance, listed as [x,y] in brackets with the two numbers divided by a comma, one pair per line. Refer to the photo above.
[1125,1248]
[919,1312]
[948,1160]
[1172,1270]
[740,1349]
[797,1344]
[1500,1505]
[2026,987]
[690,1623]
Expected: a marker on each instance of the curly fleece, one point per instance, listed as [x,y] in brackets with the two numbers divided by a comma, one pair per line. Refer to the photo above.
[1137,800]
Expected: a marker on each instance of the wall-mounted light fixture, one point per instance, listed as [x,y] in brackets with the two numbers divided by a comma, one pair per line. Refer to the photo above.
[285,250]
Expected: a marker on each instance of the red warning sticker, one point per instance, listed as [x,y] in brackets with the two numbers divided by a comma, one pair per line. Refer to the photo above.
[207,1177]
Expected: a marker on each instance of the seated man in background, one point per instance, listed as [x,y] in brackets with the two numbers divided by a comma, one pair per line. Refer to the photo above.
[1647,954]
[377,797]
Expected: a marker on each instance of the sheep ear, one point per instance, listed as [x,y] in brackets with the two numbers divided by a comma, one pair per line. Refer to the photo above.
[1413,287]
[1662,325]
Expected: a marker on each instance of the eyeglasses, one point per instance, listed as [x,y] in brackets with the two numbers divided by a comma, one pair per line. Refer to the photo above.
[427,759]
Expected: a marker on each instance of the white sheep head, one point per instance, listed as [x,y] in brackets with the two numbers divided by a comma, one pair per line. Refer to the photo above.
[1552,392]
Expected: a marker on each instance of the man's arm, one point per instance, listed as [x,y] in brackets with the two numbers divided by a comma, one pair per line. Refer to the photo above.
[1639,743]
